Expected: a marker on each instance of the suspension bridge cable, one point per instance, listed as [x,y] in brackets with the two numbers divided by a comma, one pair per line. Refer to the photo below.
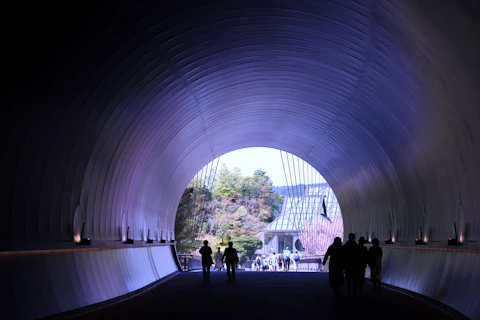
[303,195]
[285,172]
[215,174]
[295,199]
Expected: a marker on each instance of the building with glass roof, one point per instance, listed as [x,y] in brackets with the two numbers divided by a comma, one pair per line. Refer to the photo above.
[299,211]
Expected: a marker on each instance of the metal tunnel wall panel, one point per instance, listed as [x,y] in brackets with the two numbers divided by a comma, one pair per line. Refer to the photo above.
[379,96]
[448,276]
[114,108]
[45,283]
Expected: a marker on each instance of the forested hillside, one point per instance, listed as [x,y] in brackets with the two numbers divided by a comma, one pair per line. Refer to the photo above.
[236,209]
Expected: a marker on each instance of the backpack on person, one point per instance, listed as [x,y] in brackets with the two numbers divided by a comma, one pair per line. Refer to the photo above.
[296,257]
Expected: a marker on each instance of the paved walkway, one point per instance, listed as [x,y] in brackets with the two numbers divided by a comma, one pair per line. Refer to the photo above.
[264,295]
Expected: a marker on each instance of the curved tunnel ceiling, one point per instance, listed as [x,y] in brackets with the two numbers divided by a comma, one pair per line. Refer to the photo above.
[114,109]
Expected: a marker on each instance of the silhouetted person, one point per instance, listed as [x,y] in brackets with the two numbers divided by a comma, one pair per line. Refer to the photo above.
[231,258]
[363,262]
[335,274]
[352,261]
[375,256]
[206,253]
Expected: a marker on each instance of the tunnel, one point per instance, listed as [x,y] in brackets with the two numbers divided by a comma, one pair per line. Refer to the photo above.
[108,111]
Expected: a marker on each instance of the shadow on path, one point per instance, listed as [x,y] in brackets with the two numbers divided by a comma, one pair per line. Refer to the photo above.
[264,295]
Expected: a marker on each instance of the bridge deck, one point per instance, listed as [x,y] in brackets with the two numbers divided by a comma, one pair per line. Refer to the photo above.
[265,295]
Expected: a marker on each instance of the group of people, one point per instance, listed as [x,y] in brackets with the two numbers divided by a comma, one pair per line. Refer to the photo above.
[230,257]
[353,258]
[274,262]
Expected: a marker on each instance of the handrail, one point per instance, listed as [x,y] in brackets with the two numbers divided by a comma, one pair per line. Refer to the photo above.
[311,263]
[190,261]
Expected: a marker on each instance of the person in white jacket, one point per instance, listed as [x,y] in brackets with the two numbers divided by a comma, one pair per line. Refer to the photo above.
[218,260]
[273,262]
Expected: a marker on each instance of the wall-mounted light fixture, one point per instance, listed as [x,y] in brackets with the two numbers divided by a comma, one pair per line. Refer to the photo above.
[420,241]
[84,241]
[389,241]
[454,241]
[367,238]
[128,241]
[148,237]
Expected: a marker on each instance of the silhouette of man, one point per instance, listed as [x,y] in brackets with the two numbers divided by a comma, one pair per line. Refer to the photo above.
[206,253]
[363,262]
[231,258]
[335,267]
[352,261]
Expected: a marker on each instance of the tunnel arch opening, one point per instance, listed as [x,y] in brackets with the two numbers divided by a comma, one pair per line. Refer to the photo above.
[284,202]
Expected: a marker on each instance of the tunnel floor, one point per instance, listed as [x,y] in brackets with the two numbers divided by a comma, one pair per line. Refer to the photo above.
[264,295]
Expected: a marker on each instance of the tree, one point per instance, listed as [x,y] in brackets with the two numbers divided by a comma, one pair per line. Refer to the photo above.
[191,216]
[229,183]
[246,246]
[318,234]
[257,187]
[238,206]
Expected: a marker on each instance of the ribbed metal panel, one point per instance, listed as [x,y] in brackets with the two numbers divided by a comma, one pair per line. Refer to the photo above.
[379,96]
[49,282]
[115,108]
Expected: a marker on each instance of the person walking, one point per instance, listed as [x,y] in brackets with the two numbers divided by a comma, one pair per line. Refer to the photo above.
[335,274]
[273,260]
[258,263]
[352,260]
[375,256]
[363,263]
[218,260]
[206,253]
[286,259]
[231,259]
[280,262]
[265,263]
[296,260]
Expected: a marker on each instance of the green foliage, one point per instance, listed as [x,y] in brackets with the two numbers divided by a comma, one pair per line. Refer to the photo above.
[190,217]
[237,207]
[229,183]
[246,246]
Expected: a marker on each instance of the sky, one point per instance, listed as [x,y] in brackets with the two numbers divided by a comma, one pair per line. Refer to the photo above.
[250,159]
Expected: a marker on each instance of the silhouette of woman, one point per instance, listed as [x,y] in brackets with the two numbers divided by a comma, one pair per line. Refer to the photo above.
[375,253]
[335,274]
